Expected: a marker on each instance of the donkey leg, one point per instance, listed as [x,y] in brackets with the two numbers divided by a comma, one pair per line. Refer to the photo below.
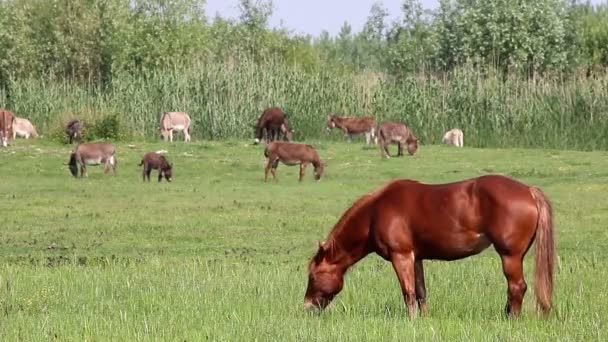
[513,269]
[403,263]
[385,146]
[420,287]
[302,170]
[268,166]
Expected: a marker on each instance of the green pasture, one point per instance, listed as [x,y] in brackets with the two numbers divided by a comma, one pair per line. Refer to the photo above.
[220,255]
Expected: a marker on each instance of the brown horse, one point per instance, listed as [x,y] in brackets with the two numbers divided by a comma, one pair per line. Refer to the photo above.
[406,222]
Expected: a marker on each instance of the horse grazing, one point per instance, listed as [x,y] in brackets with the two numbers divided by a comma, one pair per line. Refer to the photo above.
[23,127]
[7,120]
[396,132]
[92,154]
[175,121]
[272,125]
[406,222]
[292,154]
[156,161]
[74,130]
[453,137]
[352,126]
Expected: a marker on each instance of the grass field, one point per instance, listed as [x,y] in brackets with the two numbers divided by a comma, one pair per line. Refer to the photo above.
[220,255]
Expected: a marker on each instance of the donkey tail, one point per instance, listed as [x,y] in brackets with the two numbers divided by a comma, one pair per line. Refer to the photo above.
[545,251]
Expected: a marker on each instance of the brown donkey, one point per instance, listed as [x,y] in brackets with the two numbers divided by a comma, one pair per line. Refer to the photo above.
[156,161]
[7,119]
[396,132]
[292,154]
[352,126]
[406,222]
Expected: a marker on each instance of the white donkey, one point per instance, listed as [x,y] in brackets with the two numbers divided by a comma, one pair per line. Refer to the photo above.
[23,128]
[453,137]
[175,121]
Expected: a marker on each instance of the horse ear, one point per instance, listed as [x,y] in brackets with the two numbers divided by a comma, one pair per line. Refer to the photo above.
[321,252]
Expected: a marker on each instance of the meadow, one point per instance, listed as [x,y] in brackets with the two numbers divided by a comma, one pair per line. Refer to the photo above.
[220,255]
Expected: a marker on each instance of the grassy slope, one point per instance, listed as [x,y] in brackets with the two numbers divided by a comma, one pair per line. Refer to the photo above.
[218,254]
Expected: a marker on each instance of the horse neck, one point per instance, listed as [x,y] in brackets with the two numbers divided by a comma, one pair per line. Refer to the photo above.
[349,243]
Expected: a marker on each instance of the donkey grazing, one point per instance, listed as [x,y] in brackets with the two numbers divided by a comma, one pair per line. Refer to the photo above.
[74,130]
[24,128]
[453,137]
[175,121]
[292,154]
[354,126]
[396,132]
[7,120]
[273,125]
[92,154]
[156,161]
[406,222]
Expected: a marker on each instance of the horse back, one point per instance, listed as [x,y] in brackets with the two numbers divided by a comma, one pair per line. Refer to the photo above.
[454,220]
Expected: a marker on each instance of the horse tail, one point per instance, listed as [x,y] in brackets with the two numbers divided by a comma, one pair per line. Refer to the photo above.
[545,251]
[141,163]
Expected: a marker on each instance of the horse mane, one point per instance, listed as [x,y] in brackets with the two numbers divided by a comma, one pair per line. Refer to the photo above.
[331,245]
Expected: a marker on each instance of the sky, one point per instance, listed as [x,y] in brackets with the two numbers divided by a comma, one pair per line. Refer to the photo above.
[314,16]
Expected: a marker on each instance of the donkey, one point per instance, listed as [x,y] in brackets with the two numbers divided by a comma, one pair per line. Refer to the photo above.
[292,154]
[74,130]
[92,154]
[396,132]
[352,126]
[273,125]
[156,161]
[7,119]
[453,137]
[175,121]
[24,128]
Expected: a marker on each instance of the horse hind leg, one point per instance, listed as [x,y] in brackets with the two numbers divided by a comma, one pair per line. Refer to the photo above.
[512,266]
[420,287]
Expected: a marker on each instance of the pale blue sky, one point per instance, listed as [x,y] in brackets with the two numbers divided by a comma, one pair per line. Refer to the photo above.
[313,16]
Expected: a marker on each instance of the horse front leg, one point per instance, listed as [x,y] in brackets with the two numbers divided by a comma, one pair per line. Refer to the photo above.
[513,269]
[420,287]
[403,263]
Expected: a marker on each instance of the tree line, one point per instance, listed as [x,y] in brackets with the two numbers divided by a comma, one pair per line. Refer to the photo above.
[509,73]
[93,40]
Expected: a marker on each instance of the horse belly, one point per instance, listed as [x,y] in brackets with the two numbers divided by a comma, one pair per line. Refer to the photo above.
[454,246]
[178,127]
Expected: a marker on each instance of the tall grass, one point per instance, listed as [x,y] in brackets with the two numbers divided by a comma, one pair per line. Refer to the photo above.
[225,99]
